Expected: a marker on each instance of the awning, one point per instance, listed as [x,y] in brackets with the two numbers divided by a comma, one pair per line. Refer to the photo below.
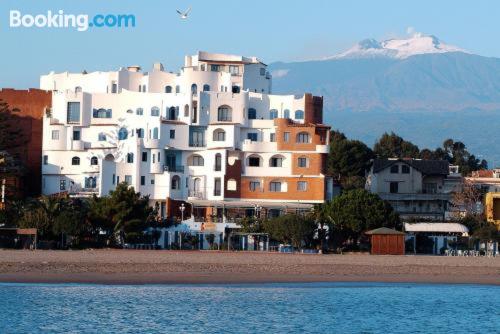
[437,228]
[249,204]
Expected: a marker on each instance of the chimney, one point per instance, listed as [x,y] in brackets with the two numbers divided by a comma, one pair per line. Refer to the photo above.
[134,68]
[158,67]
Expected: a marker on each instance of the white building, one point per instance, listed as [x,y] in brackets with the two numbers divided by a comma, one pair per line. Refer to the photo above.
[211,135]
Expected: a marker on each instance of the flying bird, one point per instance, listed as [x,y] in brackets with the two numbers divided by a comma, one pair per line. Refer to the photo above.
[184,15]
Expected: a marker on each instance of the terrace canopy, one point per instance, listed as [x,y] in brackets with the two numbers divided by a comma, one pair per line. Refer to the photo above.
[450,228]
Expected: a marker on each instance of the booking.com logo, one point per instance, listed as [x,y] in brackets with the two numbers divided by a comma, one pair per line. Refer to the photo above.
[81,22]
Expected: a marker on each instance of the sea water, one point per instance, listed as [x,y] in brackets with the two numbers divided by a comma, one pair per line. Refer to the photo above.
[260,308]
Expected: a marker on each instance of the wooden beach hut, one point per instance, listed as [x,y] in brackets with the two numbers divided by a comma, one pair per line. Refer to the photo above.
[386,241]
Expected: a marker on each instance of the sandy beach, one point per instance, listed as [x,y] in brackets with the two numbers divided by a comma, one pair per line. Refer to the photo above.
[156,267]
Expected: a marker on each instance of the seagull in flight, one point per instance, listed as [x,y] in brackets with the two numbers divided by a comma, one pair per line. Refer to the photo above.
[184,15]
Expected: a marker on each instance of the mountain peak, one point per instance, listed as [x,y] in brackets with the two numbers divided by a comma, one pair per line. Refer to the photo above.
[398,48]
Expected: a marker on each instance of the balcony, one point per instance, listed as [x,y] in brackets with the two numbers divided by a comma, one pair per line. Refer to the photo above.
[173,169]
[414,196]
[195,194]
[198,143]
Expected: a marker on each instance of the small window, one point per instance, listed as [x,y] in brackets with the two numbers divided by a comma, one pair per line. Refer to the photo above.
[303,138]
[262,71]
[130,158]
[172,134]
[196,160]
[139,132]
[272,137]
[217,186]
[144,156]
[286,113]
[394,169]
[176,182]
[405,169]
[78,89]
[273,113]
[214,68]
[75,161]
[252,136]
[73,112]
[101,136]
[276,162]
[45,159]
[143,180]
[219,135]
[275,186]
[168,89]
[155,111]
[254,185]
[122,134]
[224,114]
[128,179]
[206,88]
[177,89]
[113,180]
[286,137]
[299,114]
[55,134]
[252,113]
[232,185]
[186,110]
[139,111]
[156,134]
[302,186]
[130,111]
[101,113]
[235,89]
[76,135]
[234,69]
[94,161]
[393,187]
[302,162]
[152,181]
[114,87]
[254,161]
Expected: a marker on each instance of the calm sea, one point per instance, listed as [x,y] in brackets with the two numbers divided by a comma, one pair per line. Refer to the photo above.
[264,308]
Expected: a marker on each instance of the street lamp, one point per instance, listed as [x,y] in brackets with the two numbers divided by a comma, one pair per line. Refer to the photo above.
[182,208]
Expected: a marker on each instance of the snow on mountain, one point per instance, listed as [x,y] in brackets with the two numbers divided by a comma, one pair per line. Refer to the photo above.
[416,44]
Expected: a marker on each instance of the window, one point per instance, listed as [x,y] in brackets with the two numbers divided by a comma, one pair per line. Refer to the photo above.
[101,136]
[118,179]
[140,89]
[139,111]
[139,132]
[78,89]
[143,180]
[122,134]
[130,158]
[114,87]
[168,89]
[430,188]
[90,182]
[303,138]
[252,113]
[262,71]
[214,68]
[272,137]
[130,111]
[254,185]
[75,161]
[176,182]
[196,160]
[101,113]
[114,179]
[194,89]
[206,88]
[94,161]
[177,89]
[128,179]
[254,161]
[273,113]
[218,162]
[286,137]
[144,88]
[252,136]
[299,114]
[45,159]
[235,89]
[76,135]
[232,185]
[144,156]
[275,186]
[172,113]
[55,134]
[302,162]
[405,169]
[276,162]
[302,186]
[155,111]
[217,186]
[219,135]
[394,169]
[62,184]
[152,181]
[224,114]
[155,133]
[393,187]
[186,110]
[73,112]
[286,113]
[172,134]
[234,69]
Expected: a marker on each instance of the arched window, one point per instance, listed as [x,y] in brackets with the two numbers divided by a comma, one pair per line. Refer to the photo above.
[196,160]
[303,162]
[224,114]
[101,113]
[130,111]
[177,89]
[206,88]
[286,113]
[94,161]
[219,135]
[254,160]
[122,134]
[176,182]
[303,138]
[273,113]
[109,157]
[276,161]
[186,110]
[130,158]
[235,89]
[218,162]
[172,113]
[252,113]
[155,111]
[75,161]
[194,89]
[78,89]
[168,89]
[299,114]
[155,133]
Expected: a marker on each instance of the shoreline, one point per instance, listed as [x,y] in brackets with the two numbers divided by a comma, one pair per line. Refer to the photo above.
[134,267]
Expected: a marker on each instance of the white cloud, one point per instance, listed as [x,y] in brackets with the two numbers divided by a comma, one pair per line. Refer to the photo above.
[279,73]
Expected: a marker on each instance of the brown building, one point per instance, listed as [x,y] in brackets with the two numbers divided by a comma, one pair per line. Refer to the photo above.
[25,110]
[386,241]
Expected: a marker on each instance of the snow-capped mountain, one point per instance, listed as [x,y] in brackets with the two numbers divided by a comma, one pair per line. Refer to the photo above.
[417,44]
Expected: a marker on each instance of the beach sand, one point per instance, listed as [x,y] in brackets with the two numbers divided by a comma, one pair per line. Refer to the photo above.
[156,267]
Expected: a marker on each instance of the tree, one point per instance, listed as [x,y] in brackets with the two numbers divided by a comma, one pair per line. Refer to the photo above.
[393,146]
[457,154]
[71,220]
[293,229]
[348,160]
[357,211]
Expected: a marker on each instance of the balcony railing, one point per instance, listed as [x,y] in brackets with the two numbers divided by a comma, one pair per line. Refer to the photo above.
[196,194]
[197,143]
[173,169]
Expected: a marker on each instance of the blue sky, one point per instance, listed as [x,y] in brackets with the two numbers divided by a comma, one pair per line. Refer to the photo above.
[271,30]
